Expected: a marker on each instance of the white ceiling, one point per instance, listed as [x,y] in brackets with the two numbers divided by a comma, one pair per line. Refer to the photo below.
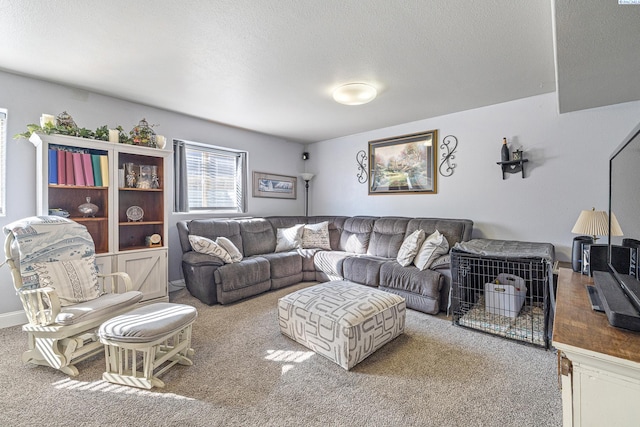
[270,65]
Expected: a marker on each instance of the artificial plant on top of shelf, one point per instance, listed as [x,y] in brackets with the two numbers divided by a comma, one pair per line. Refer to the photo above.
[142,134]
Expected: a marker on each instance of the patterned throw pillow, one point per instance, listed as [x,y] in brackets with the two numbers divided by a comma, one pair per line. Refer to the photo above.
[435,246]
[74,280]
[234,252]
[289,238]
[316,236]
[207,246]
[410,247]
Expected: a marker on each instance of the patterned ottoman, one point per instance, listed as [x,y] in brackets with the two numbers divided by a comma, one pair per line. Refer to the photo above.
[341,320]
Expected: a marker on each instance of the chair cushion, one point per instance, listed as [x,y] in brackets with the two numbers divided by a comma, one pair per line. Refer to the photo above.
[97,308]
[74,280]
[148,323]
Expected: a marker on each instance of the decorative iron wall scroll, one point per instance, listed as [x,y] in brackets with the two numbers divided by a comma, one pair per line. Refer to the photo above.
[363,173]
[449,143]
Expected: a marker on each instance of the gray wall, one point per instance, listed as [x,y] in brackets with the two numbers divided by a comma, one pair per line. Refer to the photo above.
[567,170]
[26,99]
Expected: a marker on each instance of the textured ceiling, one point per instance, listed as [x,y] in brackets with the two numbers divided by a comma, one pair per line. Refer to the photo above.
[270,66]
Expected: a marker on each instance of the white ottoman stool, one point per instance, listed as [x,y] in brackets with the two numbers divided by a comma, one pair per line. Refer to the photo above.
[342,321]
[157,334]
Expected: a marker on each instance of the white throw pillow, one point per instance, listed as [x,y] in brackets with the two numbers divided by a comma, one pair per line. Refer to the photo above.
[410,247]
[289,238]
[234,252]
[207,246]
[316,236]
[435,246]
[74,280]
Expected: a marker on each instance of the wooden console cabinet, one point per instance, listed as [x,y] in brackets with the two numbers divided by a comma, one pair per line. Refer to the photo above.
[121,242]
[598,364]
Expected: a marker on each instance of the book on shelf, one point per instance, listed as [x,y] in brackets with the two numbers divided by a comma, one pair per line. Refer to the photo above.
[77,166]
[53,166]
[78,172]
[62,167]
[69,168]
[104,169]
[97,173]
[87,169]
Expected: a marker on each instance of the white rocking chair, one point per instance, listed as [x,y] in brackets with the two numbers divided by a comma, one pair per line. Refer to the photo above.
[52,261]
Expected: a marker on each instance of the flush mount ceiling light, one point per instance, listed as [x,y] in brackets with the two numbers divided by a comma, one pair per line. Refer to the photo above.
[354,94]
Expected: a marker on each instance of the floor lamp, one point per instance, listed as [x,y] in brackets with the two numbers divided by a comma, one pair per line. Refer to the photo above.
[306,177]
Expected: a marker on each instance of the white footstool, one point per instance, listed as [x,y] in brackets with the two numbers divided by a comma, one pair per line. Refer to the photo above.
[342,321]
[157,334]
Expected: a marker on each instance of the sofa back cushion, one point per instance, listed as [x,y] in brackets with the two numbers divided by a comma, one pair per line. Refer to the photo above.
[214,228]
[387,236]
[454,230]
[258,236]
[285,221]
[356,234]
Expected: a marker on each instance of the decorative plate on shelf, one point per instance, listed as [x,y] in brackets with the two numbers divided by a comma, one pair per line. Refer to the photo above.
[135,213]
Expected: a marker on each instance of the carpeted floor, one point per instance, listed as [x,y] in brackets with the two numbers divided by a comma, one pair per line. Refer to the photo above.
[246,373]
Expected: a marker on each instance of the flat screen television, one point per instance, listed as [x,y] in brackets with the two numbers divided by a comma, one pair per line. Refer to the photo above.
[619,287]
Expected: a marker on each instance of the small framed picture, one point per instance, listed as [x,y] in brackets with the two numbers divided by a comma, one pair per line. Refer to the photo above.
[274,186]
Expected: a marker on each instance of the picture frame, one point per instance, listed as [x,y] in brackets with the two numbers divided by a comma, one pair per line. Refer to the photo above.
[404,164]
[274,186]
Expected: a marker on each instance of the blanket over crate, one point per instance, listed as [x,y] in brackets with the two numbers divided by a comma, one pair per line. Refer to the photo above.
[507,248]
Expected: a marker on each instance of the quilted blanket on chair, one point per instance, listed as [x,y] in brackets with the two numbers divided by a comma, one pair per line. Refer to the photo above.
[41,239]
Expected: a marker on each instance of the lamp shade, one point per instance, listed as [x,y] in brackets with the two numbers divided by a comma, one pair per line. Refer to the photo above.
[307,176]
[596,223]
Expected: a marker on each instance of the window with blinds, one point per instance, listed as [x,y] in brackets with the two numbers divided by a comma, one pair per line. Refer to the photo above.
[216,178]
[3,152]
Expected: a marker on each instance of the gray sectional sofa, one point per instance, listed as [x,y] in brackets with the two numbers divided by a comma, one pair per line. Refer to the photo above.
[363,250]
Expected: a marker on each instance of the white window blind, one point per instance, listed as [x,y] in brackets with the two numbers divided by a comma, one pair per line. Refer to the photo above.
[3,151]
[215,178]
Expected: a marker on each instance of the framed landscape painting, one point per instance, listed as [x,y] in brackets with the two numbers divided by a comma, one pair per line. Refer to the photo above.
[274,186]
[404,164]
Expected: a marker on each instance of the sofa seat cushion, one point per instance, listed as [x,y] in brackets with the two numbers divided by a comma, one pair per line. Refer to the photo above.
[246,273]
[422,282]
[97,308]
[364,269]
[284,264]
[307,256]
[330,263]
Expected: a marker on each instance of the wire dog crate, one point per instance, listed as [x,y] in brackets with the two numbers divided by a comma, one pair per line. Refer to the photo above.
[502,294]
